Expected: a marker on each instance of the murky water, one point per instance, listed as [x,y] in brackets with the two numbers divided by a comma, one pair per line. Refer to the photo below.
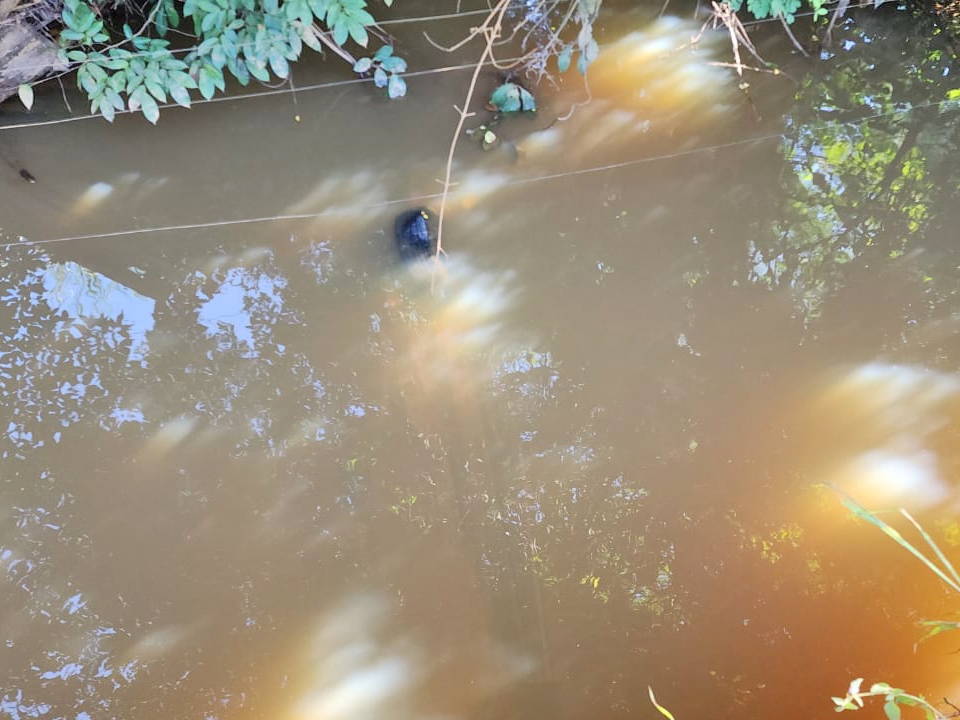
[251,468]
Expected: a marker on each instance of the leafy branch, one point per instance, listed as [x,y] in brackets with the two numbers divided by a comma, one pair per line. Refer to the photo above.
[249,39]
[895,699]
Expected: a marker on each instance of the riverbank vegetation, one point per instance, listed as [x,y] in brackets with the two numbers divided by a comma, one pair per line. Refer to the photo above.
[128,56]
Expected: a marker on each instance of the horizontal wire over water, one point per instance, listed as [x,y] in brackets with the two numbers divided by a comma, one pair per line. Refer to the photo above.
[420,198]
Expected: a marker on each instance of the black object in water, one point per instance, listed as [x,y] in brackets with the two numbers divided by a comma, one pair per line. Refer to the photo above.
[415,235]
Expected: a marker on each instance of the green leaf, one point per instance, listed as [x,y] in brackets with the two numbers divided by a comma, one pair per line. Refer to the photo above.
[207,80]
[396,87]
[506,98]
[387,50]
[937,627]
[334,12]
[156,90]
[563,59]
[108,111]
[527,101]
[258,69]
[179,95]
[150,110]
[278,63]
[892,710]
[113,97]
[362,65]
[340,32]
[69,34]
[395,64]
[87,82]
[25,92]
[380,78]
[118,81]
[510,97]
[240,71]
[359,34]
[309,37]
[362,17]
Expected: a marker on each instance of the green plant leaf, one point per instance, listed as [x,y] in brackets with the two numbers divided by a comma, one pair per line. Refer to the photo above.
[564,58]
[386,51]
[380,78]
[396,87]
[278,63]
[937,627]
[107,111]
[69,34]
[179,95]
[209,79]
[156,90]
[362,17]
[340,31]
[150,109]
[258,69]
[25,92]
[394,64]
[359,34]
[892,710]
[362,65]
[510,97]
[506,98]
[113,97]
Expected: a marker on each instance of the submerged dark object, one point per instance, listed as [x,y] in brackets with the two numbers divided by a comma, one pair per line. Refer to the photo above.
[415,235]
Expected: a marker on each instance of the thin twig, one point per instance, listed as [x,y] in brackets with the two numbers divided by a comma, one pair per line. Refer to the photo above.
[491,29]
[63,92]
[793,39]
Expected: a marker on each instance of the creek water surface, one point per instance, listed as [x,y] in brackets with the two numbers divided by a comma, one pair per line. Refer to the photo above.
[251,468]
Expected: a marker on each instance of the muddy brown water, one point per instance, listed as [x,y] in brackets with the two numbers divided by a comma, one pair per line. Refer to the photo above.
[250,468]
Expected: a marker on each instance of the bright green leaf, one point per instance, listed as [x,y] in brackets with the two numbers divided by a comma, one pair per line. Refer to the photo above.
[180,95]
[359,34]
[340,32]
[25,92]
[278,63]
[892,710]
[396,87]
[395,64]
[150,110]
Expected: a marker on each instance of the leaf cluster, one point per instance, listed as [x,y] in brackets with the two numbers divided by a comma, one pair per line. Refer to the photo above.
[247,39]
[894,700]
[785,9]
[386,68]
